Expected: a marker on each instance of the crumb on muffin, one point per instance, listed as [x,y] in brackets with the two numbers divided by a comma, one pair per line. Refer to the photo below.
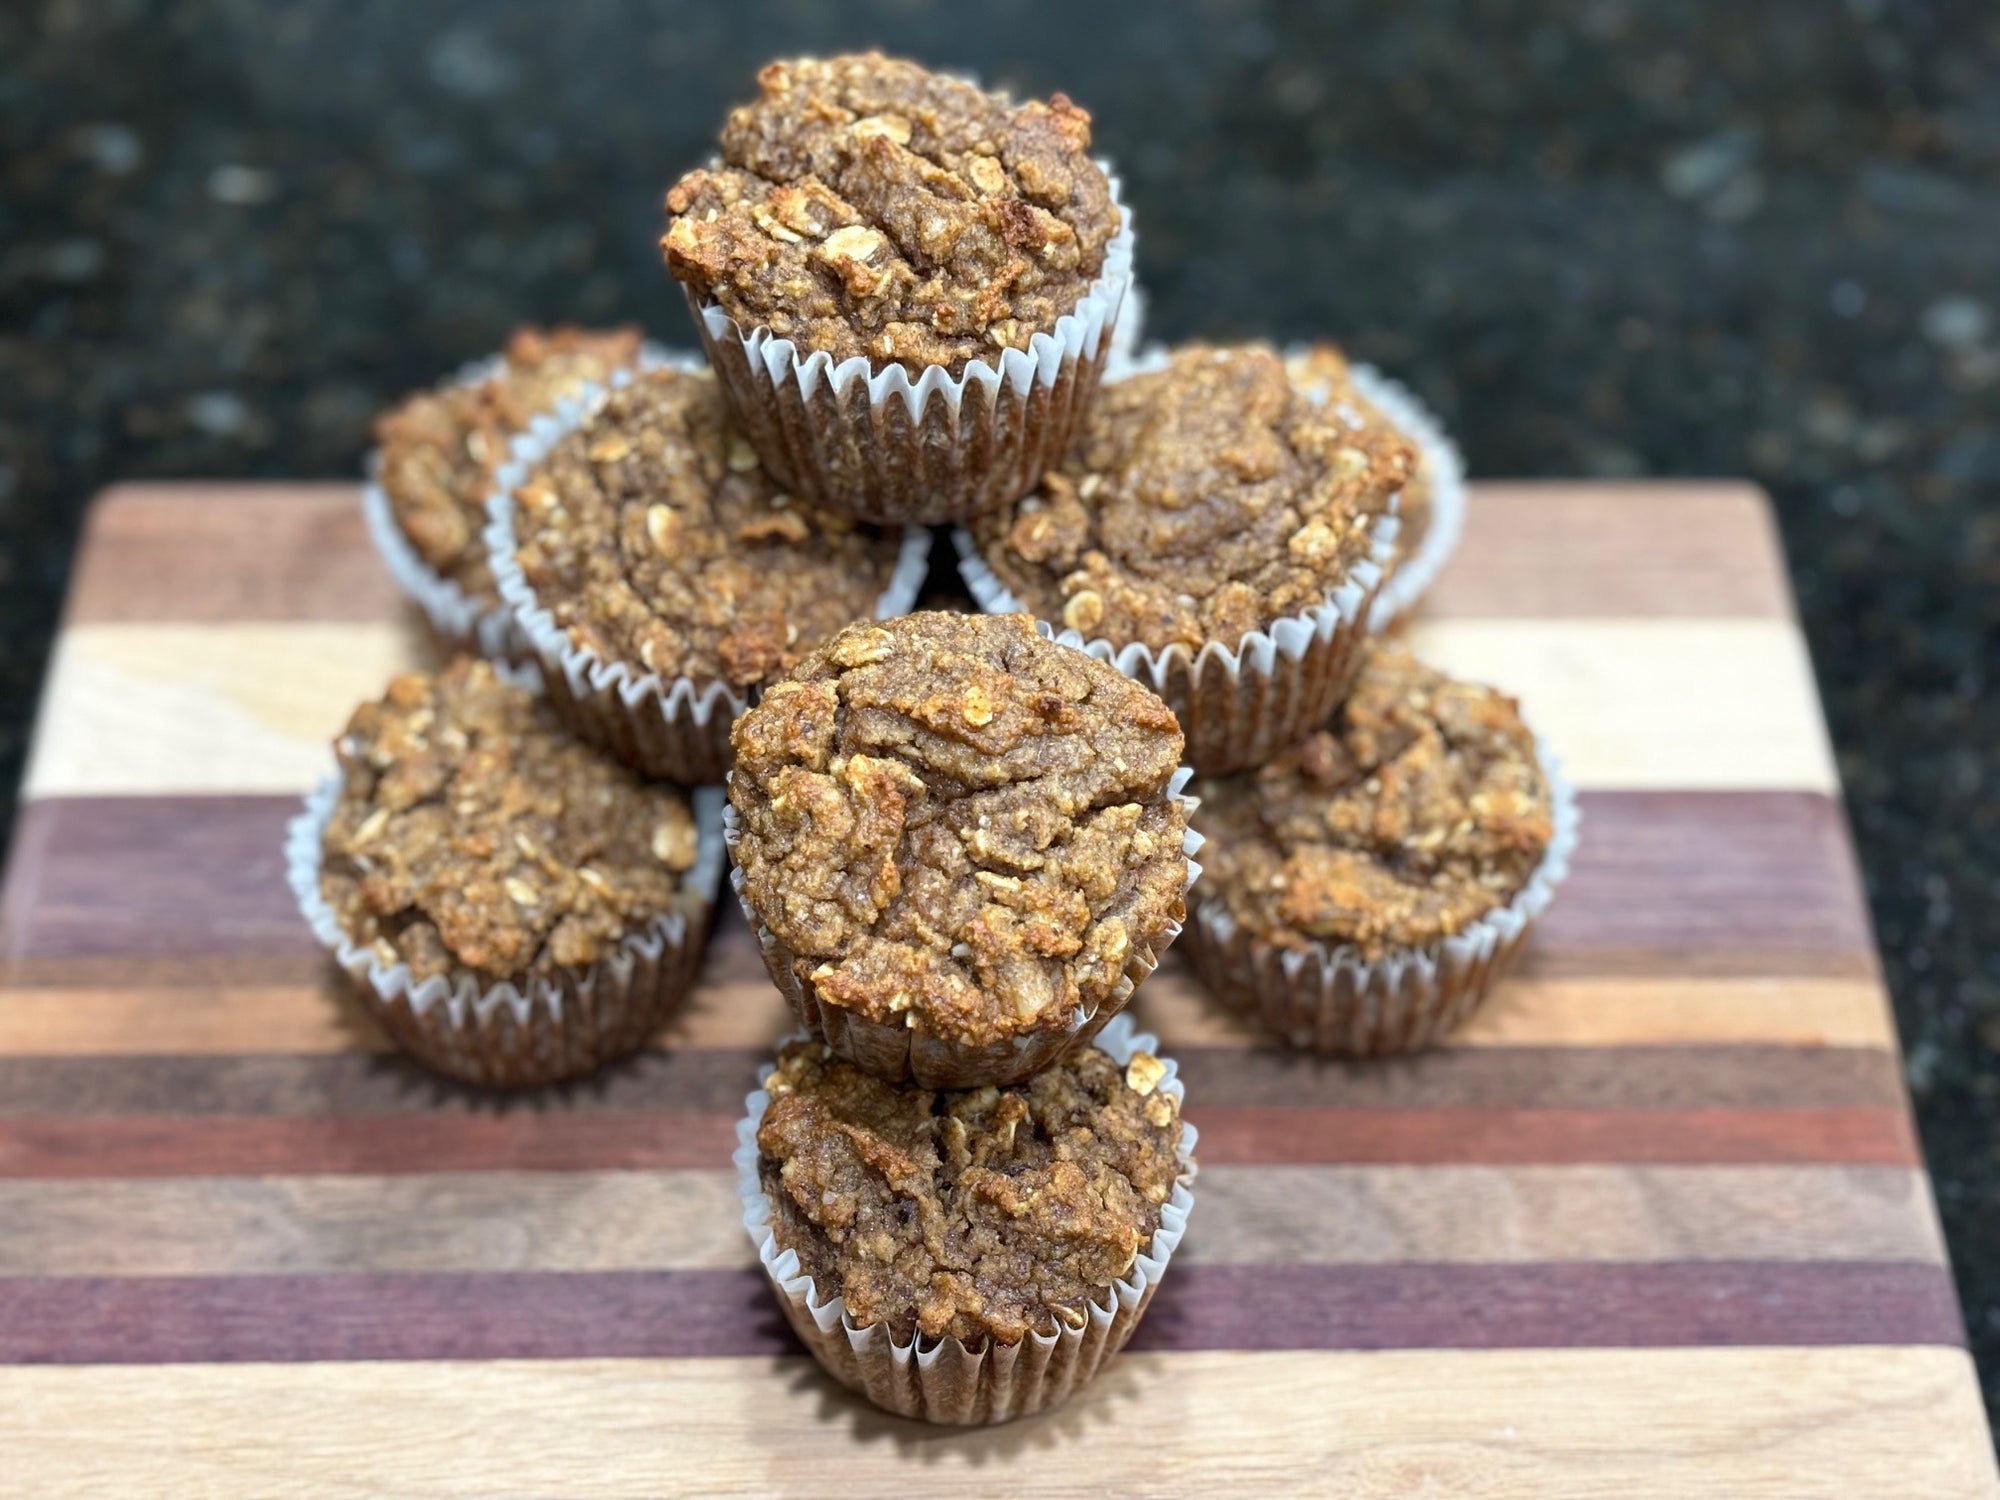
[1200,502]
[864,205]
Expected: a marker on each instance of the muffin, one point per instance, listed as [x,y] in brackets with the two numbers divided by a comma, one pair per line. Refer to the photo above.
[961,844]
[1367,888]
[434,464]
[1432,511]
[663,577]
[906,283]
[1215,533]
[514,907]
[1014,1234]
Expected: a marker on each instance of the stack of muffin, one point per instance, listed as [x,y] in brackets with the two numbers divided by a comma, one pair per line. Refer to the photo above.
[962,838]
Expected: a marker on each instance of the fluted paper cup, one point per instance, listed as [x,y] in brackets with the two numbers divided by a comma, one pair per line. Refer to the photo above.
[525,1031]
[945,1381]
[898,1052]
[881,445]
[1327,998]
[669,728]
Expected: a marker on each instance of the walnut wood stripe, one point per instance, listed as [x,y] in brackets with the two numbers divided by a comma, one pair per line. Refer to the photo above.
[1664,884]
[1556,1424]
[714,1080]
[442,1222]
[1880,1136]
[627,1139]
[724,1313]
[746,1011]
[1551,550]
[163,709]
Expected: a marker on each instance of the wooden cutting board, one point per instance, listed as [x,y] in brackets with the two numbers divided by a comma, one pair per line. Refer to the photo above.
[1655,1224]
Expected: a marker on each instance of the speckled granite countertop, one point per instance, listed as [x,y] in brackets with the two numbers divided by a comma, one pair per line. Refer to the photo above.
[1602,239]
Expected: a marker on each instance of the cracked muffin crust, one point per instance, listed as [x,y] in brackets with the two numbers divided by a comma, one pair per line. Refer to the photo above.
[441,447]
[959,827]
[472,833]
[1323,368]
[1419,808]
[980,1214]
[1200,501]
[652,535]
[864,205]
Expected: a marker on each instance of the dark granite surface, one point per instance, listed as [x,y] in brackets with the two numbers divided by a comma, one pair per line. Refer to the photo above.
[1602,239]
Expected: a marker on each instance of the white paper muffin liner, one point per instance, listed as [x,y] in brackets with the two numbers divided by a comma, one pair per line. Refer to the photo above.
[899,1053]
[883,446]
[1328,999]
[945,1382]
[1428,548]
[517,1034]
[673,729]
[1239,707]
[459,621]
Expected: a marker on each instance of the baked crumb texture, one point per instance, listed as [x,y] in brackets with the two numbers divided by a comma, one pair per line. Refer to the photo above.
[664,578]
[517,906]
[439,449]
[1214,534]
[1357,889]
[1201,502]
[1012,1236]
[960,842]
[907,284]
[1432,511]
[864,206]
[978,1214]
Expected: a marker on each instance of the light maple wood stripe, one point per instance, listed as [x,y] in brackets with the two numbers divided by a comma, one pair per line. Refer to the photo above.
[1752,1424]
[252,707]
[685,1220]
[1540,1011]
[158,708]
[746,1011]
[1653,703]
[207,551]
[1540,550]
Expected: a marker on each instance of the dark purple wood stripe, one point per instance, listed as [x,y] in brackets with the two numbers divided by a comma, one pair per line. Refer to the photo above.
[669,1314]
[714,1080]
[1664,883]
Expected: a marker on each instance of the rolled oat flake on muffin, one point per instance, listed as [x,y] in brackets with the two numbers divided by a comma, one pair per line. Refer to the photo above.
[1202,504]
[864,205]
[984,1214]
[649,536]
[439,449]
[960,841]
[472,841]
[1419,816]
[908,287]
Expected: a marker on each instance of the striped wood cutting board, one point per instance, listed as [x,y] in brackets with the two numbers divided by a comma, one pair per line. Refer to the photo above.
[1656,1224]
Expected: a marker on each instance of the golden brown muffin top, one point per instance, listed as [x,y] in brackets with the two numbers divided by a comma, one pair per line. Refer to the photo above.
[1322,372]
[1417,810]
[440,448]
[977,1214]
[866,206]
[652,536]
[949,819]
[471,832]
[1201,501]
